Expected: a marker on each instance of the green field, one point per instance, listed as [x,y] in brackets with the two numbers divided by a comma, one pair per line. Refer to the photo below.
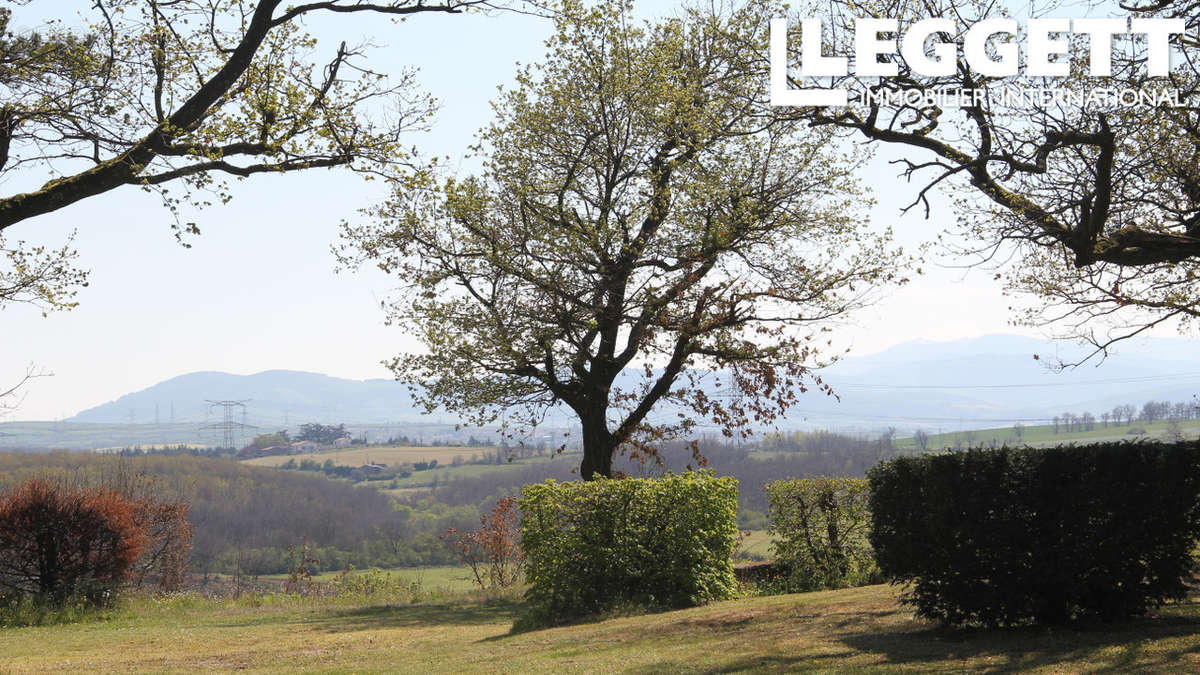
[1045,435]
[855,630]
[441,579]
[89,436]
[424,479]
[755,543]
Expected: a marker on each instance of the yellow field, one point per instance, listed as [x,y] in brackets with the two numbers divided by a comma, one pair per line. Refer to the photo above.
[380,455]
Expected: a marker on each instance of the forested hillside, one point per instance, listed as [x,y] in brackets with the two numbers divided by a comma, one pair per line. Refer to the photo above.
[246,517]
[795,454]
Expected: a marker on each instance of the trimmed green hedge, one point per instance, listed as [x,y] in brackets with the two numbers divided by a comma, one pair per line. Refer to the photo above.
[601,545]
[1019,535]
[821,527]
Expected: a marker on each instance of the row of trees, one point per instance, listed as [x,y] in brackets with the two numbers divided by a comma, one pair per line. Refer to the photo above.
[1151,411]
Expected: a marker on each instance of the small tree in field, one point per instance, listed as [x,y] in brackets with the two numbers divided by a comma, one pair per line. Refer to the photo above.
[58,543]
[168,543]
[493,552]
[643,219]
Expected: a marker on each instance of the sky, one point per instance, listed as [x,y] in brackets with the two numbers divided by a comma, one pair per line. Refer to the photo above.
[258,289]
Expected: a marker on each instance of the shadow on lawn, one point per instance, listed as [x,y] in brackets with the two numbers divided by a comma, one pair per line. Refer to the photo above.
[1098,648]
[401,616]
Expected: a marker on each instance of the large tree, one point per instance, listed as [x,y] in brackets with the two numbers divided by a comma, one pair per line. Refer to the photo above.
[173,96]
[1096,205]
[640,208]
[186,91]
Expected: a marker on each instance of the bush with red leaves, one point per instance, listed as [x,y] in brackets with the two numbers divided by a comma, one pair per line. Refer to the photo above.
[61,543]
[493,552]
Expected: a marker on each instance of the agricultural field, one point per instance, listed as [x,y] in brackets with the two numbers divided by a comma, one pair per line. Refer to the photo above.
[386,455]
[859,630]
[89,436]
[439,476]
[1039,436]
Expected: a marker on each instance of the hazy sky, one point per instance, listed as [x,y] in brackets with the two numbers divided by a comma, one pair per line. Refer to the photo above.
[258,289]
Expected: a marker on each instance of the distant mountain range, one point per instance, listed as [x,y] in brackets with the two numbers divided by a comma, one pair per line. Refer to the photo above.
[996,380]
[273,398]
[983,382]
[987,381]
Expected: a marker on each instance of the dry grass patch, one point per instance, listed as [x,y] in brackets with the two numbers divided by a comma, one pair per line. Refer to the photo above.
[855,630]
[387,455]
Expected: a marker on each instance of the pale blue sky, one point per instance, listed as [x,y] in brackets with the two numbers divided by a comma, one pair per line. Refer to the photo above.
[258,291]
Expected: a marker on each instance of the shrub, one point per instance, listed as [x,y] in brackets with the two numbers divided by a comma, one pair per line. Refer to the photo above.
[493,552]
[375,585]
[61,543]
[168,541]
[821,528]
[1012,536]
[601,545]
[301,565]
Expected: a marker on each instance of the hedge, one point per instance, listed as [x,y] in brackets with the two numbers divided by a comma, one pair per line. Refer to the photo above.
[1021,535]
[821,527]
[602,545]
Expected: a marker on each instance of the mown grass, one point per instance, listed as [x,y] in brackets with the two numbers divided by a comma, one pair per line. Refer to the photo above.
[855,630]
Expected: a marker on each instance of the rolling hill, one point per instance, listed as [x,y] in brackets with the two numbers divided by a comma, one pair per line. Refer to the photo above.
[990,381]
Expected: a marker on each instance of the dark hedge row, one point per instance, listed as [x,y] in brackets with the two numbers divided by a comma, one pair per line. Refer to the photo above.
[1019,535]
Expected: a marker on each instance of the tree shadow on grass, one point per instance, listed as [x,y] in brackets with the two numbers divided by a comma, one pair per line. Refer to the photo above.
[766,663]
[1099,647]
[524,623]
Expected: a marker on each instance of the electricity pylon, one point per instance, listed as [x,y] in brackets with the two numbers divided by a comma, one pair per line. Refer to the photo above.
[227,425]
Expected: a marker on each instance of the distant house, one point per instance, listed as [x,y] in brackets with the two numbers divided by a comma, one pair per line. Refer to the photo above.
[304,446]
[343,442]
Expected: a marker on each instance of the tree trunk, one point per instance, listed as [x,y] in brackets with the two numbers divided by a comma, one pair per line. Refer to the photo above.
[598,447]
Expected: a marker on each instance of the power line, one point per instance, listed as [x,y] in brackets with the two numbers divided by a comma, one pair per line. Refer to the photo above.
[1119,380]
[886,418]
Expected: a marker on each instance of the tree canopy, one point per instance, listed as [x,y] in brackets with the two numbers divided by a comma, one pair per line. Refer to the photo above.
[188,91]
[647,243]
[174,97]
[1095,202]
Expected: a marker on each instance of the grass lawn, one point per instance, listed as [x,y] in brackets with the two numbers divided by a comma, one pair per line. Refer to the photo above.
[860,630]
